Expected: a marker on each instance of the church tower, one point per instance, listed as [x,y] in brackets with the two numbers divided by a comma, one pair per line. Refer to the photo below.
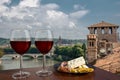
[60,41]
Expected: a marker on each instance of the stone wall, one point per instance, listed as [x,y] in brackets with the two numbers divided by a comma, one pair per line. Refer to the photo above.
[108,37]
[116,45]
[111,62]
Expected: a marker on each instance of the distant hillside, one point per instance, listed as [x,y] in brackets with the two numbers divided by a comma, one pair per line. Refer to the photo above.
[68,41]
[4,41]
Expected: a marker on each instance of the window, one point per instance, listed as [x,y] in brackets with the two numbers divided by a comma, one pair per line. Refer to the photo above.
[91,44]
[103,31]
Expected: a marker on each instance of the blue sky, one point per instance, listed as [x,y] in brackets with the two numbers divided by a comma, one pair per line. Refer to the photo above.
[66,18]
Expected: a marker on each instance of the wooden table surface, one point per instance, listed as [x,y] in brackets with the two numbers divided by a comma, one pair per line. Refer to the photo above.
[98,74]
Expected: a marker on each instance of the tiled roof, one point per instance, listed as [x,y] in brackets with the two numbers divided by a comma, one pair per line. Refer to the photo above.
[103,24]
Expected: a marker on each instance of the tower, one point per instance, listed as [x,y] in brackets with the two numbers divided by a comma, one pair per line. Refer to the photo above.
[92,47]
[105,31]
[100,39]
[59,41]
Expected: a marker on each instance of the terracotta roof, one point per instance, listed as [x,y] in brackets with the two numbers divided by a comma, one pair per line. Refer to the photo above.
[103,24]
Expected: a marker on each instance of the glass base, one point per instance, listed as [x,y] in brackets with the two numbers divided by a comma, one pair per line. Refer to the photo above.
[20,75]
[43,73]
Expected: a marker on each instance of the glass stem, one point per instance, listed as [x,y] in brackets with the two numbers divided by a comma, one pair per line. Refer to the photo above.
[44,62]
[21,64]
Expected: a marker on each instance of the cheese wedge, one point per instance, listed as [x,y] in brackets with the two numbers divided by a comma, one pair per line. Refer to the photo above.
[76,62]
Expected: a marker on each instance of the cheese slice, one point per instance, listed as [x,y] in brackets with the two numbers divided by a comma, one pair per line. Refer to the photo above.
[76,62]
[84,66]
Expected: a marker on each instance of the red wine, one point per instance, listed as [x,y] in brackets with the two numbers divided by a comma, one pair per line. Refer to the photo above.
[44,46]
[20,47]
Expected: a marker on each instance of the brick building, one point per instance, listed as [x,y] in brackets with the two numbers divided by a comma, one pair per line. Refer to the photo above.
[100,39]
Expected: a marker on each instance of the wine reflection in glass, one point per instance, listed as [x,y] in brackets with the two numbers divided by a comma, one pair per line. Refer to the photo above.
[20,43]
[44,43]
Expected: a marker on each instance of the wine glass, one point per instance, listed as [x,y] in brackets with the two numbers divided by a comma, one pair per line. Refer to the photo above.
[20,42]
[44,43]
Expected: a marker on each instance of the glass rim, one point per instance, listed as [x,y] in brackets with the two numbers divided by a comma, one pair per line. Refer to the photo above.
[28,38]
[44,30]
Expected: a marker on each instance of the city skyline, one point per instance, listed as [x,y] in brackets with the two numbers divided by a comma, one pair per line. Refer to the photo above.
[66,18]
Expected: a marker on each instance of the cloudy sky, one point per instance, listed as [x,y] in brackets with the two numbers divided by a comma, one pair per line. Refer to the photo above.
[66,18]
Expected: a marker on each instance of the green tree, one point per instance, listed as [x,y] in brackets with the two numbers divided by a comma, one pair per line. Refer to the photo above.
[8,50]
[1,52]
[56,49]
[84,48]
[33,50]
[77,51]
[69,52]
[59,58]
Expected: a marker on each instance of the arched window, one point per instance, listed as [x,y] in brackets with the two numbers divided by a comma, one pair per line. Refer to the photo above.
[95,30]
[110,30]
[91,44]
[103,31]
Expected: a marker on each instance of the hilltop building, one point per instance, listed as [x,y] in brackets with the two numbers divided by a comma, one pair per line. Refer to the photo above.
[60,41]
[100,39]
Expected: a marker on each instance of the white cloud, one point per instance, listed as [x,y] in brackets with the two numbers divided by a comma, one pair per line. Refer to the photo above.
[79,14]
[3,8]
[57,19]
[29,3]
[51,6]
[32,15]
[78,7]
[5,1]
[15,12]
[72,25]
